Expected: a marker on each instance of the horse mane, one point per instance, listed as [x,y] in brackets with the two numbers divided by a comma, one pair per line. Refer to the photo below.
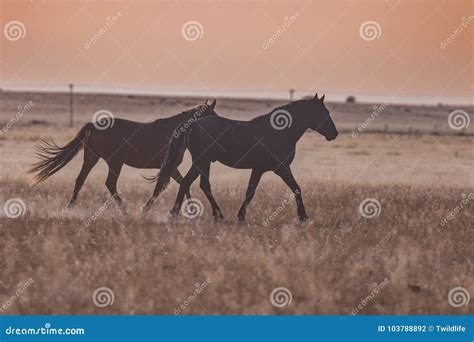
[180,115]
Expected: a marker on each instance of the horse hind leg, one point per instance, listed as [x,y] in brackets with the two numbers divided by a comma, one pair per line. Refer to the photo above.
[111,184]
[160,187]
[190,177]
[178,178]
[90,160]
[206,188]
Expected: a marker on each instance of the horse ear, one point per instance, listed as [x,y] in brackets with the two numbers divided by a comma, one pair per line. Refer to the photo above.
[316,96]
[212,104]
[322,98]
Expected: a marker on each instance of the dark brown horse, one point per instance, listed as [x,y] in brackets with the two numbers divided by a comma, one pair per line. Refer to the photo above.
[118,142]
[266,143]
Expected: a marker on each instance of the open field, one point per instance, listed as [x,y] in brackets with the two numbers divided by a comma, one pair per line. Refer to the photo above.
[408,159]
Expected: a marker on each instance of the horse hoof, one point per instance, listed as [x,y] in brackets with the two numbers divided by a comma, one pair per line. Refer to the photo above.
[70,206]
[303,218]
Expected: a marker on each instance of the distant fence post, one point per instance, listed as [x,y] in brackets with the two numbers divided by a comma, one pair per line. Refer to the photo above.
[71,105]
[292,92]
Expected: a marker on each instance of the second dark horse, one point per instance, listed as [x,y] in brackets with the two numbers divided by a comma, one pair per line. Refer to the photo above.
[266,143]
[119,142]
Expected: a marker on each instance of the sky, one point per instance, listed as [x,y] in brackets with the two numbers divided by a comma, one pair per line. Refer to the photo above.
[386,50]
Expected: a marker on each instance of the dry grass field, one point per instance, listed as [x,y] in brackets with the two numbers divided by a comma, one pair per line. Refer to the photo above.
[405,260]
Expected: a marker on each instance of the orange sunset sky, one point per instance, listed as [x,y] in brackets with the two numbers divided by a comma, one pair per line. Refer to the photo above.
[320,48]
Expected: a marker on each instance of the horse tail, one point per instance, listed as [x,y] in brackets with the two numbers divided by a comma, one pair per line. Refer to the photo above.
[53,157]
[174,157]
